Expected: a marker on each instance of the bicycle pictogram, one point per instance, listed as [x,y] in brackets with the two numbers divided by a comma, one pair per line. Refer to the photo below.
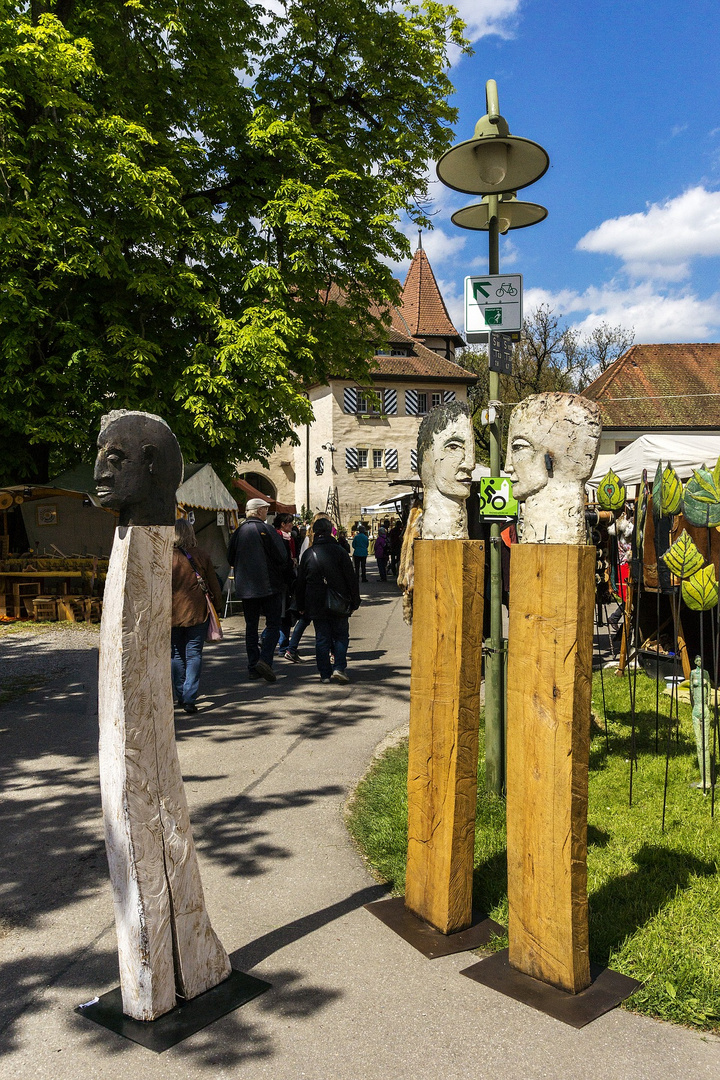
[506,289]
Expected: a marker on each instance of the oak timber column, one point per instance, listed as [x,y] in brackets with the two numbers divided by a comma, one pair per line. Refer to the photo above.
[552,591]
[443,753]
[553,442]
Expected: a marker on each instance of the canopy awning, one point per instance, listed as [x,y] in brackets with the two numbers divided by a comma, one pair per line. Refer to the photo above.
[203,489]
[253,493]
[386,504]
[683,452]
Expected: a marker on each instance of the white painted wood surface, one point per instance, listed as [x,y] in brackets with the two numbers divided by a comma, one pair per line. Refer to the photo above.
[166,945]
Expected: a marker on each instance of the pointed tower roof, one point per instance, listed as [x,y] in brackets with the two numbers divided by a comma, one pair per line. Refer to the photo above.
[423,307]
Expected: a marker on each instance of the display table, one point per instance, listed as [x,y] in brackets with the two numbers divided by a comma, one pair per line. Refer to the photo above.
[24,579]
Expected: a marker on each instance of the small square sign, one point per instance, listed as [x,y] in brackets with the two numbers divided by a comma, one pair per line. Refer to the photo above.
[492,301]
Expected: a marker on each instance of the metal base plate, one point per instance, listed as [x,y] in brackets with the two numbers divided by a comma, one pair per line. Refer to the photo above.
[605,992]
[182,1021]
[425,938]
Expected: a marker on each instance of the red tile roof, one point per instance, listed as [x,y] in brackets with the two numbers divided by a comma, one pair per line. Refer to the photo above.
[423,307]
[661,386]
[421,364]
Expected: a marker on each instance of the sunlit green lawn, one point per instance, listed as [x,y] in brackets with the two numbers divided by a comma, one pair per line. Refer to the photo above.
[654,895]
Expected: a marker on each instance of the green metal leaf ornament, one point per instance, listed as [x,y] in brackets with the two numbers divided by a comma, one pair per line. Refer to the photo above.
[683,559]
[657,491]
[611,492]
[640,515]
[700,592]
[671,493]
[701,499]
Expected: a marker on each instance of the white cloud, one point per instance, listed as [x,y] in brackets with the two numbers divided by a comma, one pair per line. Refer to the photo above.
[454,302]
[657,317]
[660,242]
[438,244]
[485,17]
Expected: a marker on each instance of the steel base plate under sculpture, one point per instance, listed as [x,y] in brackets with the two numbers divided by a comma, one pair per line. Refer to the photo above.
[605,992]
[182,1021]
[425,938]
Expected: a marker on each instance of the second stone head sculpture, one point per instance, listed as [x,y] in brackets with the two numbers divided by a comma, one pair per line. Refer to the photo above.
[139,467]
[553,443]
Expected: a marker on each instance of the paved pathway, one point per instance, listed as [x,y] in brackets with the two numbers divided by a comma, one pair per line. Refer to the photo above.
[268,770]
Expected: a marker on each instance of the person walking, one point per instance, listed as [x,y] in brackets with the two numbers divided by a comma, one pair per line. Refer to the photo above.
[190,566]
[291,653]
[395,536]
[360,545]
[382,552]
[325,577]
[260,564]
[283,527]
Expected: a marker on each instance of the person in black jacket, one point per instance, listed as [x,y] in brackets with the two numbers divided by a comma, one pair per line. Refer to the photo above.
[326,566]
[261,567]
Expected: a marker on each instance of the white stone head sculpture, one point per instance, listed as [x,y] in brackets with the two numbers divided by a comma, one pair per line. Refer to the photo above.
[446,458]
[553,443]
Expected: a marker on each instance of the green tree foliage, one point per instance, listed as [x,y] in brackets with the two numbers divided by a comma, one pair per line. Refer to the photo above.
[196,201]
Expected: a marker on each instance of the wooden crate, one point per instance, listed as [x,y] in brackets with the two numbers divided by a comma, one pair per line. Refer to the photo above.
[71,608]
[45,609]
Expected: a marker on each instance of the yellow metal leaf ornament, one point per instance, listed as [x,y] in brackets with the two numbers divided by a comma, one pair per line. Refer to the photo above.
[611,492]
[671,492]
[683,559]
[700,592]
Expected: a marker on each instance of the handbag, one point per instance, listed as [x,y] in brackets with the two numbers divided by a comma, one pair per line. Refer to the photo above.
[214,629]
[335,602]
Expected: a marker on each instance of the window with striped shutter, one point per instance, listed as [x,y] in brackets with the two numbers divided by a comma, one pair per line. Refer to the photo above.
[390,404]
[448,396]
[411,402]
[391,459]
[413,460]
[350,400]
[351,457]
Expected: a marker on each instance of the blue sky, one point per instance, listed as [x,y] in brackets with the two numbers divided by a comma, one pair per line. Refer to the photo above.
[625,97]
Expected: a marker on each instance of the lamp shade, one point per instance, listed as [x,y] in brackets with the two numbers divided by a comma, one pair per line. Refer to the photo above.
[512,214]
[493,164]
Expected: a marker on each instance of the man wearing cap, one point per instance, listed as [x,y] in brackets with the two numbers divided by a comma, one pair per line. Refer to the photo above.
[261,567]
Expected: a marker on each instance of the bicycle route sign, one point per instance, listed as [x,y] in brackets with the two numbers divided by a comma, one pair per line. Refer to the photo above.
[492,302]
[496,497]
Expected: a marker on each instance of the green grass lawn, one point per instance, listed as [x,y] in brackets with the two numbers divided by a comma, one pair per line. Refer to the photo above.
[654,895]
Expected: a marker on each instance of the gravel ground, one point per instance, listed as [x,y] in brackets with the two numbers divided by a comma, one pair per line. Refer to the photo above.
[27,660]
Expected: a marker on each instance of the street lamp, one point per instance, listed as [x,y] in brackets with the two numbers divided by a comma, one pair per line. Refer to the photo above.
[511,214]
[494,164]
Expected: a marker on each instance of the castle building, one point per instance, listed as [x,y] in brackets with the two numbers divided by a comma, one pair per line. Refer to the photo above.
[354,449]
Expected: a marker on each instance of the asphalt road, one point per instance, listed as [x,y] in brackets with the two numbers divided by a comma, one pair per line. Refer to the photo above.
[268,769]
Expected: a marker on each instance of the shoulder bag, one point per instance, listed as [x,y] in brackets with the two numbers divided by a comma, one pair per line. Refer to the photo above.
[335,602]
[214,629]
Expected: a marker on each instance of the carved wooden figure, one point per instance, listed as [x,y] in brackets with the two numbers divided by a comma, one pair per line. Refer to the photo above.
[445,678]
[167,947]
[552,446]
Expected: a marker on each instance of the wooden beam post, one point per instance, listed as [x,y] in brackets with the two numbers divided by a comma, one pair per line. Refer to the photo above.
[444,720]
[166,944]
[552,590]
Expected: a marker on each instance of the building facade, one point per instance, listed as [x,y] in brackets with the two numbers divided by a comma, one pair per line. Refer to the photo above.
[356,449]
[654,389]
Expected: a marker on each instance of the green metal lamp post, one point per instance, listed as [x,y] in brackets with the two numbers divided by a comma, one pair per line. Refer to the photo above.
[494,164]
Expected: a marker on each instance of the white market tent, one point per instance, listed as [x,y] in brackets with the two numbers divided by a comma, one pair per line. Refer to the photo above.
[683,452]
[387,504]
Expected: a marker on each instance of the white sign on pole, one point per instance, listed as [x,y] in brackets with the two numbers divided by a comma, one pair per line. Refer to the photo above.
[492,302]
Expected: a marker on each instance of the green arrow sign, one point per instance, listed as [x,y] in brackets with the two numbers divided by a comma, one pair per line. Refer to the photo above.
[478,288]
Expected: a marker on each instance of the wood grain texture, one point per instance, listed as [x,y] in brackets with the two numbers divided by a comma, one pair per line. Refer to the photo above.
[166,945]
[444,716]
[548,743]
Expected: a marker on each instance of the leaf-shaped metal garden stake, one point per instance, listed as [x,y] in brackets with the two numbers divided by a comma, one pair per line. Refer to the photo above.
[611,492]
[700,592]
[701,499]
[657,491]
[683,559]
[671,492]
